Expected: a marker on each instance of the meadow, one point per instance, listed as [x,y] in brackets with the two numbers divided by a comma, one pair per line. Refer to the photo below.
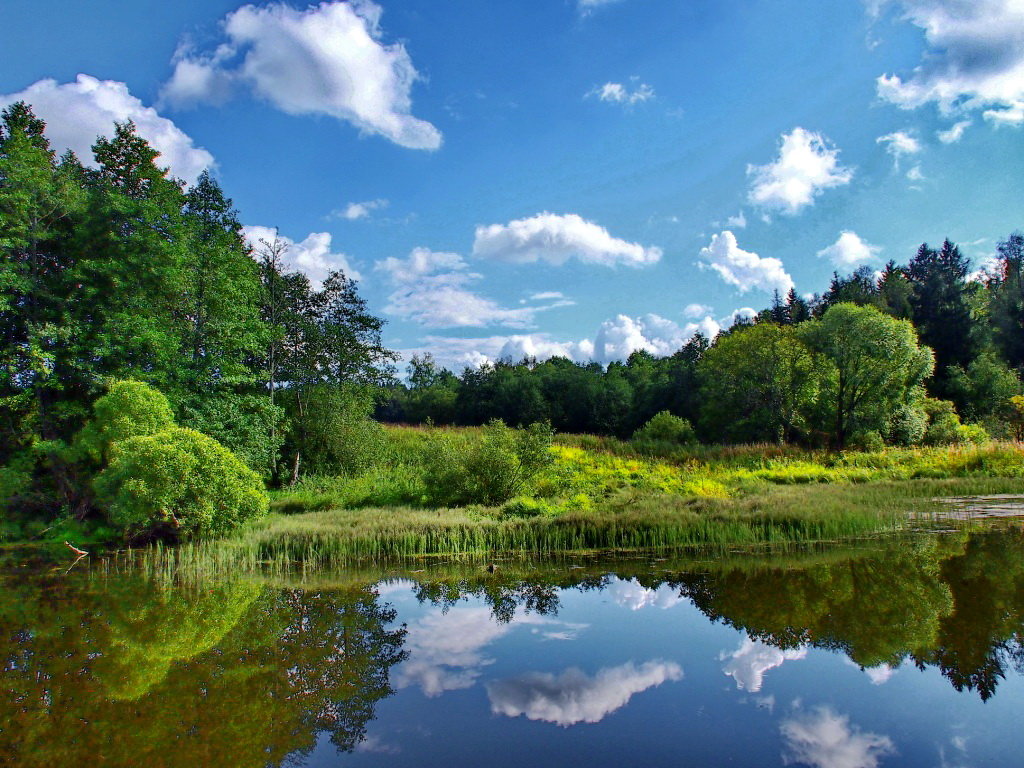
[607,494]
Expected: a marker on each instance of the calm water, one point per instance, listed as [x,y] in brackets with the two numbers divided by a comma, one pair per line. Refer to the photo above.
[903,652]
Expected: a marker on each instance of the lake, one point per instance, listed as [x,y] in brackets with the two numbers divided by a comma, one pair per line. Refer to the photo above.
[898,651]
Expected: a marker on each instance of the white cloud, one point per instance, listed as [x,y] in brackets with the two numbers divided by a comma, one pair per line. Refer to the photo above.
[741,314]
[356,211]
[77,113]
[806,165]
[573,696]
[974,58]
[915,174]
[739,221]
[849,251]
[557,238]
[546,295]
[430,287]
[898,144]
[748,664]
[954,133]
[587,5]
[325,60]
[697,310]
[312,257]
[615,339]
[631,594]
[743,269]
[446,649]
[617,93]
[824,739]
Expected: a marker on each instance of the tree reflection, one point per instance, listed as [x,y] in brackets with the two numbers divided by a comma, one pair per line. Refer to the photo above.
[244,675]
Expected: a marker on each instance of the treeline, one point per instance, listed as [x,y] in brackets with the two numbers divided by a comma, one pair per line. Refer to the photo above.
[911,354]
[117,271]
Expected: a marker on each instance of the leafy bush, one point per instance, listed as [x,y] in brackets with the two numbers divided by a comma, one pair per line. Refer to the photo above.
[943,423]
[333,431]
[664,427]
[248,425]
[489,472]
[973,433]
[128,409]
[177,482]
[908,425]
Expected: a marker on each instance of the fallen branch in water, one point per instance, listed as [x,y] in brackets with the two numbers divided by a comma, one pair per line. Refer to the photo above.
[76,550]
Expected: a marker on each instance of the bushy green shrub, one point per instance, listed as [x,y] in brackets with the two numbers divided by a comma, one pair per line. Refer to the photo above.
[664,427]
[492,471]
[248,425]
[908,425]
[867,440]
[943,423]
[179,483]
[128,409]
[332,429]
[973,433]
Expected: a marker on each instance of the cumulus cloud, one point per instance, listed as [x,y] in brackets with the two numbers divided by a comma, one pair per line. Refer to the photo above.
[741,314]
[312,256]
[823,739]
[806,165]
[615,339]
[555,239]
[954,133]
[356,211]
[748,664]
[974,58]
[77,113]
[739,221]
[617,93]
[743,269]
[328,59]
[573,696]
[849,251]
[697,310]
[632,595]
[431,288]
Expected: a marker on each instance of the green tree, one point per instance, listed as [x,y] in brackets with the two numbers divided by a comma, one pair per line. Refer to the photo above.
[871,365]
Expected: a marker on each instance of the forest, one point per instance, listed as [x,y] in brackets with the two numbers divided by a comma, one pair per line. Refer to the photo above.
[158,375]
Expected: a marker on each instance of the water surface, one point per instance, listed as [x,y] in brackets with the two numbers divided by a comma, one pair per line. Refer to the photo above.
[905,651]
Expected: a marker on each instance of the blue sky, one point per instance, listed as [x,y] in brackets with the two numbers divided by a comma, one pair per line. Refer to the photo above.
[568,176]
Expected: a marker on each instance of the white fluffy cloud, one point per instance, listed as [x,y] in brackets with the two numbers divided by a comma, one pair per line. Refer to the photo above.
[974,58]
[954,133]
[743,269]
[573,696]
[806,165]
[741,314]
[615,339]
[823,739]
[76,113]
[634,596]
[431,288]
[697,310]
[849,251]
[748,664]
[557,238]
[356,211]
[325,60]
[617,93]
[312,257]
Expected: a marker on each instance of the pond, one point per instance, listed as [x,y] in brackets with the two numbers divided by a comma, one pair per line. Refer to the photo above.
[902,651]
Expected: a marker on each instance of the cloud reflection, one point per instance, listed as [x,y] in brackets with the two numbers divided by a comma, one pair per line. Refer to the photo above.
[630,594]
[824,739]
[748,663]
[573,696]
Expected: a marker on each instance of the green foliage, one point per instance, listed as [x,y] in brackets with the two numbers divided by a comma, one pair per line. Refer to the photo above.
[943,423]
[908,424]
[331,429]
[492,471]
[247,424]
[178,482]
[128,409]
[666,428]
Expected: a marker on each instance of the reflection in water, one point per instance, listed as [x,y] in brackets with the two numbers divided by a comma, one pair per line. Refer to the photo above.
[824,739]
[120,670]
[748,663]
[573,696]
[130,674]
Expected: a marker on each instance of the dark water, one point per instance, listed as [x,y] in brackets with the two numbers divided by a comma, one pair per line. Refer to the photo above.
[905,652]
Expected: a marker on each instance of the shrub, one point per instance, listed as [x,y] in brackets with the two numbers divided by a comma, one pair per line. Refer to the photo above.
[248,425]
[490,472]
[128,409]
[332,428]
[973,433]
[178,483]
[908,425]
[943,423]
[663,427]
